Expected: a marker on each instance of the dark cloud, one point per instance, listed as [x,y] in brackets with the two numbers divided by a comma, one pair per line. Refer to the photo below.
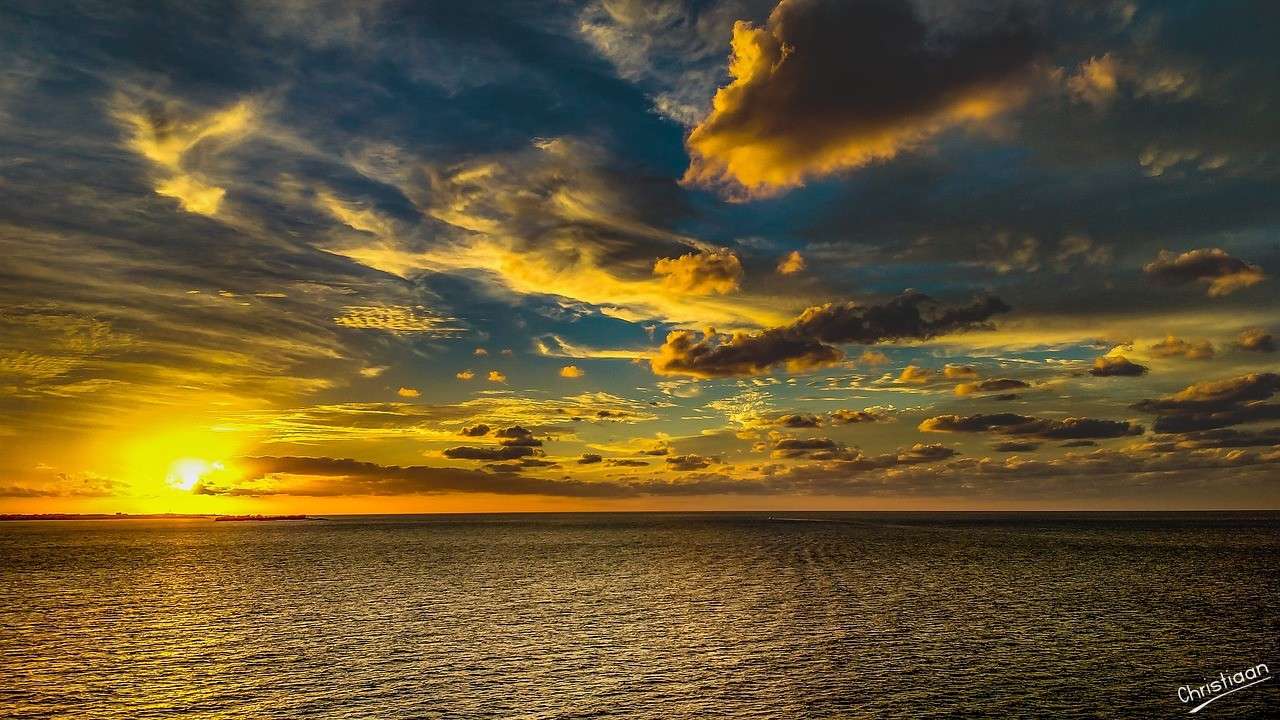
[1256,340]
[1221,438]
[1222,273]
[625,462]
[352,477]
[685,463]
[476,430]
[798,420]
[1078,443]
[1216,404]
[833,84]
[1211,395]
[1116,366]
[520,465]
[809,341]
[1015,446]
[516,436]
[1044,428]
[505,452]
[589,459]
[815,448]
[992,385]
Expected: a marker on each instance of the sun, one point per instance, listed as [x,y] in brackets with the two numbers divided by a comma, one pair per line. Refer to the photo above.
[186,473]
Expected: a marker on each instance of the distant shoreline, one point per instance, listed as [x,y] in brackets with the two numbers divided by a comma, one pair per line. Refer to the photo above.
[155,516]
[774,515]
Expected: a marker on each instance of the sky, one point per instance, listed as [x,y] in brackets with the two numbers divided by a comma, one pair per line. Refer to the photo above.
[323,257]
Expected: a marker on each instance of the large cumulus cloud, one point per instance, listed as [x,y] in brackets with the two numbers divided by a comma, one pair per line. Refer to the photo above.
[1216,404]
[826,85]
[1072,428]
[1213,267]
[810,340]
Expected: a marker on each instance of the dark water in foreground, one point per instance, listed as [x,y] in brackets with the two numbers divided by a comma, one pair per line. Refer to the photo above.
[654,616]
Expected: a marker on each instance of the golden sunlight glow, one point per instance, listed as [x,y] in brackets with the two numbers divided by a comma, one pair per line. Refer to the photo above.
[186,473]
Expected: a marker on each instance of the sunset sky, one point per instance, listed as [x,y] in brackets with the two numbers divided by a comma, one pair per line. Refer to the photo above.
[638,254]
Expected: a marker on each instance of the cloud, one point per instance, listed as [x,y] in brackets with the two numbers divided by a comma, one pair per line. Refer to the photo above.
[1256,340]
[464,375]
[1220,438]
[798,420]
[626,462]
[992,385]
[873,358]
[166,135]
[808,341]
[686,463]
[496,376]
[1177,347]
[502,452]
[1222,273]
[1016,446]
[479,430]
[566,219]
[394,319]
[913,375]
[741,354]
[673,45]
[517,436]
[324,477]
[867,415]
[838,456]
[791,263]
[1215,404]
[1116,366]
[408,392]
[480,352]
[815,448]
[791,420]
[571,371]
[366,421]
[708,272]
[1096,82]
[959,372]
[1071,428]
[828,85]
[589,459]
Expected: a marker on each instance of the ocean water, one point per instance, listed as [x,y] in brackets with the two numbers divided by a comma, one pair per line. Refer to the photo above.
[861,615]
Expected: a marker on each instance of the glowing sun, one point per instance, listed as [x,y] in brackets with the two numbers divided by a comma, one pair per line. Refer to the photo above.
[186,473]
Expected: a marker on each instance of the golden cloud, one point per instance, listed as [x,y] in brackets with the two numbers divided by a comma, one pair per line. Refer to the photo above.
[393,318]
[914,375]
[826,86]
[791,263]
[159,136]
[704,273]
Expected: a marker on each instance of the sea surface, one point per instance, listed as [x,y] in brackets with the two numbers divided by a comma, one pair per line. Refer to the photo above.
[795,615]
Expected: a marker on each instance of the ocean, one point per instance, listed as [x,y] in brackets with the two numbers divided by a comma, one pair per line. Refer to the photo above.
[733,615]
